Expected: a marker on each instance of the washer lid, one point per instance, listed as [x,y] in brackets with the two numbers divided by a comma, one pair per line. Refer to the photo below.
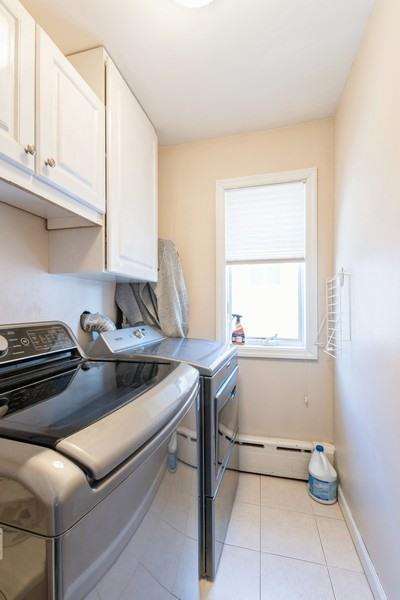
[104,445]
[110,407]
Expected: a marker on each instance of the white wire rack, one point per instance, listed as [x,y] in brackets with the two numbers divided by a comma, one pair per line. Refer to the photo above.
[337,317]
[332,300]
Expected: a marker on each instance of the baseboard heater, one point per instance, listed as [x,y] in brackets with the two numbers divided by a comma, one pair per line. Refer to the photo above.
[278,456]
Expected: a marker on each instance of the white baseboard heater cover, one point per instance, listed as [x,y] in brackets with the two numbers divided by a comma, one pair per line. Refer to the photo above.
[278,456]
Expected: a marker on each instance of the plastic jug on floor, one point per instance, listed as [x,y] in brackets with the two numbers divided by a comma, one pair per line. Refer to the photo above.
[322,481]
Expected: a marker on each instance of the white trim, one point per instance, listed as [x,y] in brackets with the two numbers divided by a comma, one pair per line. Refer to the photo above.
[221,297]
[275,352]
[370,571]
[280,457]
[310,176]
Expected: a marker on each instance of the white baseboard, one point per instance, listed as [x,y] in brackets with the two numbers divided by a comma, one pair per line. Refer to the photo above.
[278,456]
[370,572]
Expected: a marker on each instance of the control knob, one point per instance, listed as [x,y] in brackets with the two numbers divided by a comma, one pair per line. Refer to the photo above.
[3,346]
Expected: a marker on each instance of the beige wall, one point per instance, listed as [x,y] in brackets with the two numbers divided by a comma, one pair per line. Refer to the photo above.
[272,391]
[367,406]
[28,292]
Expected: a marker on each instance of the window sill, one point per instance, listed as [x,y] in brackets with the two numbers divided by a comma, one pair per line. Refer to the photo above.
[277,353]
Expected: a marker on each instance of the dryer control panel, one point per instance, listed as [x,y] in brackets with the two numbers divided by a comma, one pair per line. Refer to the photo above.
[130,338]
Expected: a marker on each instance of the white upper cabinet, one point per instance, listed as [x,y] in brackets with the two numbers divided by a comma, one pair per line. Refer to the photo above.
[17,85]
[70,128]
[131,183]
[52,128]
[126,247]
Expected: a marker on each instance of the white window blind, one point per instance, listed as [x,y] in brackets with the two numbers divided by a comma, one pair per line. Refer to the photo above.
[266,222]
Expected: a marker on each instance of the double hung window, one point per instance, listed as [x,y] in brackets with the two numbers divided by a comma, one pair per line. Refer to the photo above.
[267,263]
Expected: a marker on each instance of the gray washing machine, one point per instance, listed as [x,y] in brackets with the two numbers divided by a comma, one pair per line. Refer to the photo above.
[217,365]
[95,501]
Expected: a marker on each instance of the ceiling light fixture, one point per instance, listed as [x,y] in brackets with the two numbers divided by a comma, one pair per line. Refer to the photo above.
[193,3]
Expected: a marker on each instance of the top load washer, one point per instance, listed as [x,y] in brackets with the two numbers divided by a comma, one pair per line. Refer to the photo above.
[92,492]
[217,364]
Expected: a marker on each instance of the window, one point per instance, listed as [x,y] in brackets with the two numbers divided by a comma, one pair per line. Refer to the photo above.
[267,263]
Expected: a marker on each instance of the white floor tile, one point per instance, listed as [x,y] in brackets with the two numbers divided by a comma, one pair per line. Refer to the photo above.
[118,577]
[163,554]
[238,576]
[338,546]
[143,585]
[291,534]
[162,495]
[331,511]
[293,565]
[248,488]
[289,579]
[145,533]
[186,582]
[176,509]
[192,525]
[349,585]
[285,494]
[92,596]
[244,526]
[187,479]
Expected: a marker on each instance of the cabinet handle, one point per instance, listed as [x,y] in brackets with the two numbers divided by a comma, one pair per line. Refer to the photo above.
[30,149]
[50,162]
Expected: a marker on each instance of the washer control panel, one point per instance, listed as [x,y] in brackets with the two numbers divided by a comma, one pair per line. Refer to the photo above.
[19,342]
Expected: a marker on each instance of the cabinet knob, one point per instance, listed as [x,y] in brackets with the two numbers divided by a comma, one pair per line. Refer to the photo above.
[30,149]
[50,162]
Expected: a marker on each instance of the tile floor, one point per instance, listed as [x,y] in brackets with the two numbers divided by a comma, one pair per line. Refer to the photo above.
[281,545]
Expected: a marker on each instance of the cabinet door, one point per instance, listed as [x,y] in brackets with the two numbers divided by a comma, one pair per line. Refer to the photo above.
[131,183]
[71,126]
[17,84]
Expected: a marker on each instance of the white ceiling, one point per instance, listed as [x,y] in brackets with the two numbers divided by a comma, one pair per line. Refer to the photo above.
[235,65]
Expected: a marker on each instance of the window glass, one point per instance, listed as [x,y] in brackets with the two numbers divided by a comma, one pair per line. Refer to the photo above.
[270,298]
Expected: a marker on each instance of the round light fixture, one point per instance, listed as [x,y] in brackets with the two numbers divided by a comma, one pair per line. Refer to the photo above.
[193,3]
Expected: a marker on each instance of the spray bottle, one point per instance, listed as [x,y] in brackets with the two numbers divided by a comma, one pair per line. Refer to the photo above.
[238,336]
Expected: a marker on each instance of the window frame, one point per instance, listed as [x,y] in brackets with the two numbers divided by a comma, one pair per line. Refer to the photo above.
[310,177]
